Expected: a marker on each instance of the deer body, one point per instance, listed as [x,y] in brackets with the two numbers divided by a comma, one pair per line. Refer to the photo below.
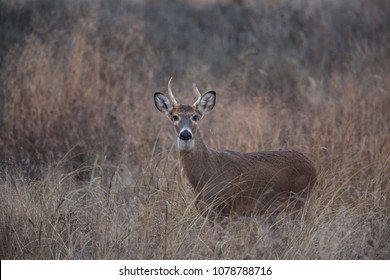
[228,182]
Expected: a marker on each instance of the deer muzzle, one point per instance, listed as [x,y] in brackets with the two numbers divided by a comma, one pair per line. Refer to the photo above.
[185,135]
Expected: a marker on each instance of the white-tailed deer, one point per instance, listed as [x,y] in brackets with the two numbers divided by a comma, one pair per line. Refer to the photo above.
[227,182]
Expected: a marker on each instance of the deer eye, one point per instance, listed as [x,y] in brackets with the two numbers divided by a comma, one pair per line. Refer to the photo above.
[195,118]
[175,118]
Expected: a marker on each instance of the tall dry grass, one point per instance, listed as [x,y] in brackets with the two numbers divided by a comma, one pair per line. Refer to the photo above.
[90,171]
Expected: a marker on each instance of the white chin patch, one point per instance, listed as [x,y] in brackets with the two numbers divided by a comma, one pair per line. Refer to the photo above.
[185,145]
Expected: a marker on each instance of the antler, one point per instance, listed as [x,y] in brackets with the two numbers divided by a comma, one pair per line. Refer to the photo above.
[196,90]
[170,92]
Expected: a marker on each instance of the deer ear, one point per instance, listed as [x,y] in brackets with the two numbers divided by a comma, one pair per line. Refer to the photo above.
[162,103]
[207,102]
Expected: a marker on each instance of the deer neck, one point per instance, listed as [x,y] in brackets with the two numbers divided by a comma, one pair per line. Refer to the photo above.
[196,163]
[198,150]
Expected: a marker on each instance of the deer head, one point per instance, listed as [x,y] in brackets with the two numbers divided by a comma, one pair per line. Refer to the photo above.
[185,118]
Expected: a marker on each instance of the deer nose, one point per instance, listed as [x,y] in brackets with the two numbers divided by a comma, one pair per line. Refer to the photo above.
[185,135]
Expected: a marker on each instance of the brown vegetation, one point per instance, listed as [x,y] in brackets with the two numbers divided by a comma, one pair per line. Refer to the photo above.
[88,170]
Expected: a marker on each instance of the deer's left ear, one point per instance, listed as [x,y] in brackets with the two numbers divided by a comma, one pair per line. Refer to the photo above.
[162,103]
[207,102]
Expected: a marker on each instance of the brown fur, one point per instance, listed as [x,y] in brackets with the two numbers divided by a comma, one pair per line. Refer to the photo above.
[245,183]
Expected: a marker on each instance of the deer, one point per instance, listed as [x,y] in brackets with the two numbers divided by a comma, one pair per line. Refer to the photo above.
[230,183]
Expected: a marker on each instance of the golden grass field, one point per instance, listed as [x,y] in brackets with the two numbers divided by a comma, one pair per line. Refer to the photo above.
[89,168]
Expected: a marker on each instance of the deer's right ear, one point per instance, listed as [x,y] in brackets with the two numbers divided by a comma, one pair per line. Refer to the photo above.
[207,102]
[162,103]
